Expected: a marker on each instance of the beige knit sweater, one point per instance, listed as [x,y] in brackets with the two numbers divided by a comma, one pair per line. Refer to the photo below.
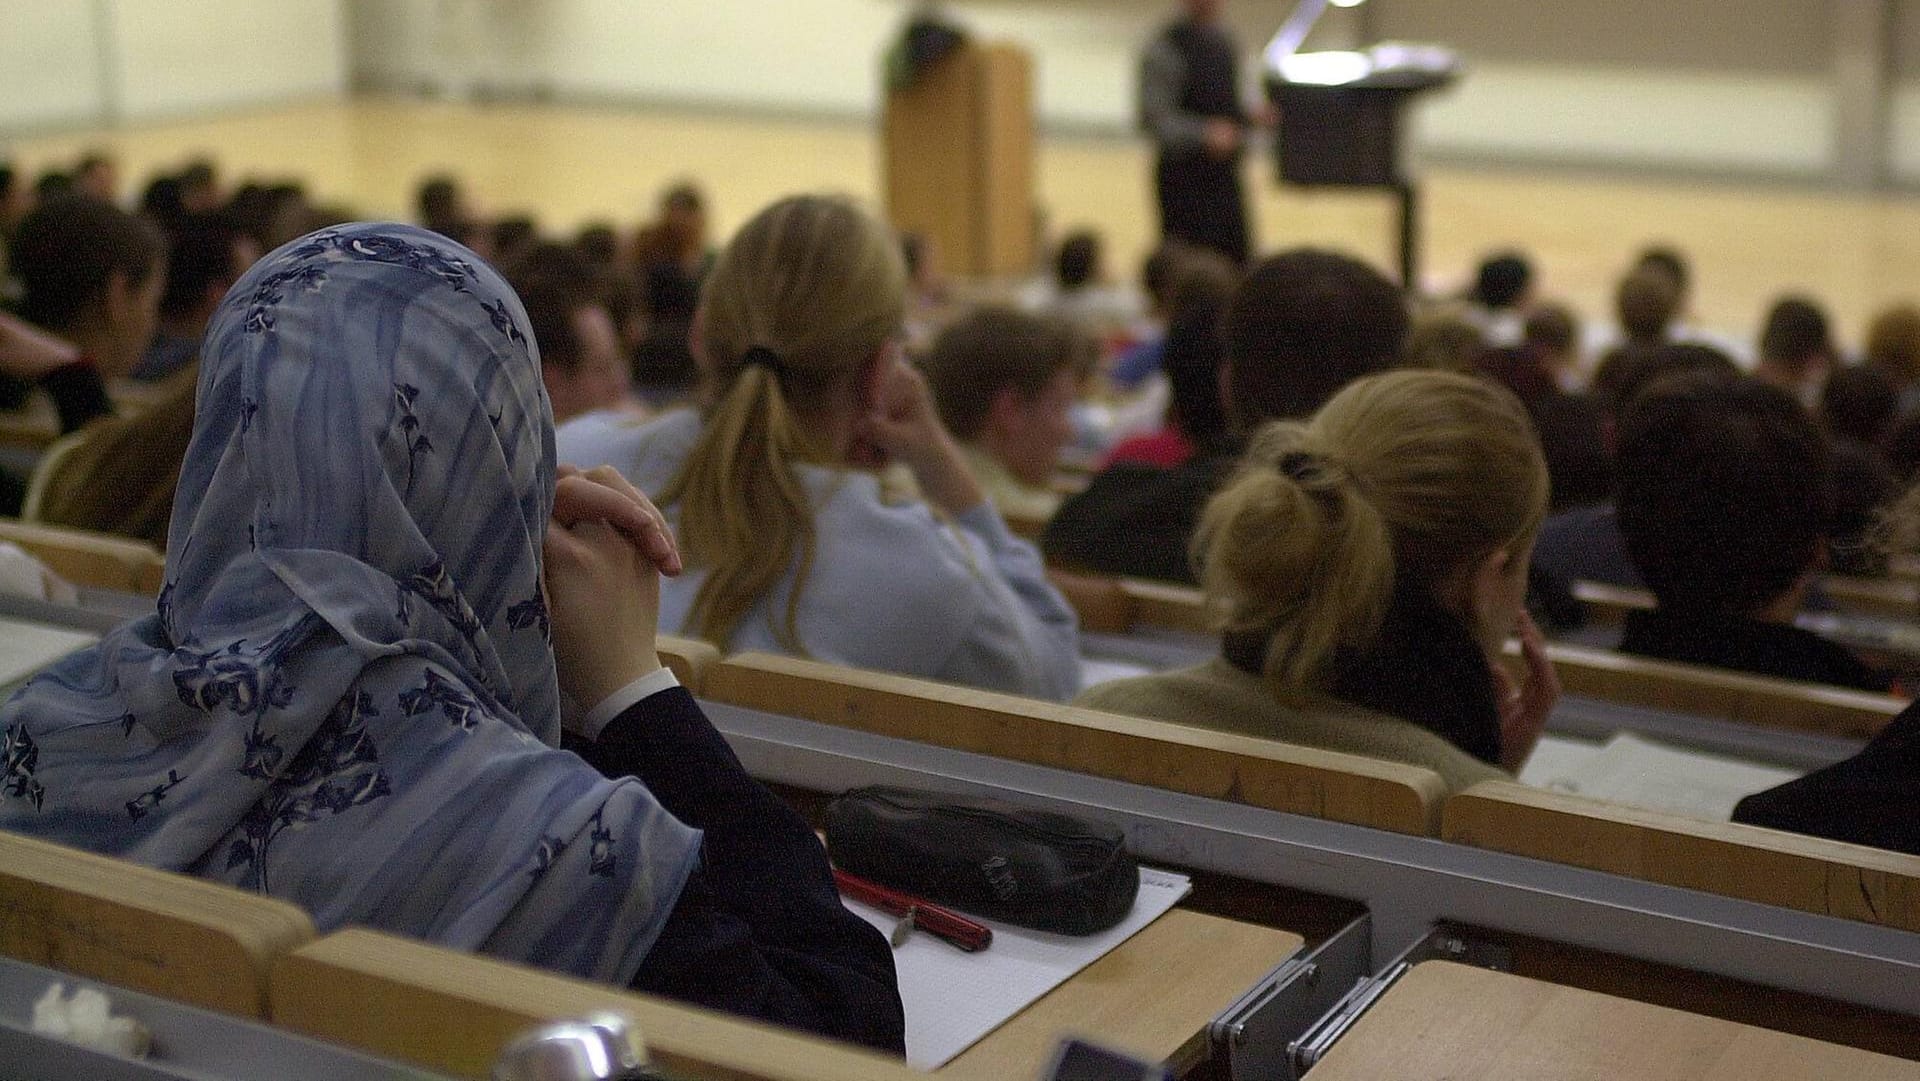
[1219,696]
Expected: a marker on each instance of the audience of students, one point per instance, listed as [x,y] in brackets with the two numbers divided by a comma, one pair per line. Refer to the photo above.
[1501,294]
[1005,382]
[282,725]
[1369,565]
[1725,499]
[770,484]
[1302,325]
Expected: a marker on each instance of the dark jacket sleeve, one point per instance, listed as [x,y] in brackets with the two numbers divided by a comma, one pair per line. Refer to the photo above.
[1869,799]
[1134,520]
[79,394]
[759,929]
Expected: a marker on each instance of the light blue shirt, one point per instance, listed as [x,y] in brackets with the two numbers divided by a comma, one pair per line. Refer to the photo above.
[893,587]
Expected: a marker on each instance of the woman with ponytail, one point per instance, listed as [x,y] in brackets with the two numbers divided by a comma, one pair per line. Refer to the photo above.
[792,543]
[1366,568]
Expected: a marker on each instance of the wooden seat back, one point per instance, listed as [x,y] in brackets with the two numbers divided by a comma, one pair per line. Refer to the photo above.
[452,1012]
[92,559]
[689,658]
[1197,761]
[1713,692]
[170,935]
[1754,864]
[1122,605]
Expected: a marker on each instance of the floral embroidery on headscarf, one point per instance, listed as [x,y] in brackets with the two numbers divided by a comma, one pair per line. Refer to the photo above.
[338,770]
[455,704]
[19,757]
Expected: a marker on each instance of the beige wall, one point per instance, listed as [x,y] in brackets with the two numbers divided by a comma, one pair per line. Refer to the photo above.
[75,62]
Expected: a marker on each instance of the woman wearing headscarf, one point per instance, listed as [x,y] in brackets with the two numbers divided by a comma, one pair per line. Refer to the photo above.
[350,694]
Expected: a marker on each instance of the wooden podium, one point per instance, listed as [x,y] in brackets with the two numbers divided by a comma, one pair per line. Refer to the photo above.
[958,159]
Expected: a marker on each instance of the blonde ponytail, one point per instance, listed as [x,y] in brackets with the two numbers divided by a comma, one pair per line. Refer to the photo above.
[1403,480]
[1292,546]
[806,293]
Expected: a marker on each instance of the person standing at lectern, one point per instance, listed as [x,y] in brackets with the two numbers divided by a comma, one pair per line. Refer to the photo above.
[1190,105]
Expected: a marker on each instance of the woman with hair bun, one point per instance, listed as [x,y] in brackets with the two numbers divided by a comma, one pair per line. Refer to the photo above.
[1366,568]
[793,544]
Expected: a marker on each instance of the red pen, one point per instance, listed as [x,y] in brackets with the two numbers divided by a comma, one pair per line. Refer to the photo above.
[915,914]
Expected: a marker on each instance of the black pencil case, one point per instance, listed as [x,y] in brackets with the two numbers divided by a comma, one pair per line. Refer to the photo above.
[1050,872]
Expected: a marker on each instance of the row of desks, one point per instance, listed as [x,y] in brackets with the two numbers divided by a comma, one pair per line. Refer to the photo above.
[1167,992]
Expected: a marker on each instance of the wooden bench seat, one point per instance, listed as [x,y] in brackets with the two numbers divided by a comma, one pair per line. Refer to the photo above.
[452,1012]
[170,935]
[1197,761]
[86,558]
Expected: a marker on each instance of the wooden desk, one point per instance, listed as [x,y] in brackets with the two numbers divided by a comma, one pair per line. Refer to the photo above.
[1152,997]
[32,427]
[1447,1021]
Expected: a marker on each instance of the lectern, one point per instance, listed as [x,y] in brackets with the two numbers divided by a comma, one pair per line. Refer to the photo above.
[958,146]
[1341,115]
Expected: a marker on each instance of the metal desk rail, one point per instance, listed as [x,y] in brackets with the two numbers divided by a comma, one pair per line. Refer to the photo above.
[189,1044]
[1409,884]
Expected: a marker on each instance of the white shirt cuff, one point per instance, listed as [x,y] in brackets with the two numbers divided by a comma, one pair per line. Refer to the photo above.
[602,715]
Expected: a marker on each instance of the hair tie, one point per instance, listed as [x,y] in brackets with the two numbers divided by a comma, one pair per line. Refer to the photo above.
[1300,465]
[760,356]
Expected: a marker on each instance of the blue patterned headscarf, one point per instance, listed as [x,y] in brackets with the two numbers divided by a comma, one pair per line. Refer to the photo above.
[346,697]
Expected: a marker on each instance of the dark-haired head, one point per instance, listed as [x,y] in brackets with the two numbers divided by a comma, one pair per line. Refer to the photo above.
[1078,264]
[91,271]
[1503,281]
[1724,493]
[1797,335]
[1302,325]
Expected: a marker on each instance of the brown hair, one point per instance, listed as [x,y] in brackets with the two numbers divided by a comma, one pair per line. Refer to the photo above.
[806,293]
[993,348]
[1406,477]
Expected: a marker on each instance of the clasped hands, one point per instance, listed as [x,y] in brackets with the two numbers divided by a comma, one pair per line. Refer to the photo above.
[606,548]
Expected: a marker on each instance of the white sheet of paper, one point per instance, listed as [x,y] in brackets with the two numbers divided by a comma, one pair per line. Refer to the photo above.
[25,647]
[1641,773]
[1097,670]
[1555,763]
[954,998]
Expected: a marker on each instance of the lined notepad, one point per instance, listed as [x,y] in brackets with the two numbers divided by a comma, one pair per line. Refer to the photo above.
[953,998]
[25,648]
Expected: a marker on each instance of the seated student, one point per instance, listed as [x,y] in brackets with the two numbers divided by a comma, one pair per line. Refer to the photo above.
[1302,325]
[1080,290]
[351,695]
[1502,290]
[1868,799]
[1369,565]
[91,275]
[1857,408]
[1583,543]
[205,256]
[1160,274]
[793,545]
[1796,349]
[1191,354]
[1724,496]
[665,374]
[1893,349]
[580,359]
[441,205]
[1005,383]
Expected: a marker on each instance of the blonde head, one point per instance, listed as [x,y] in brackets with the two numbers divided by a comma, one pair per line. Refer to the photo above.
[1410,478]
[797,308]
